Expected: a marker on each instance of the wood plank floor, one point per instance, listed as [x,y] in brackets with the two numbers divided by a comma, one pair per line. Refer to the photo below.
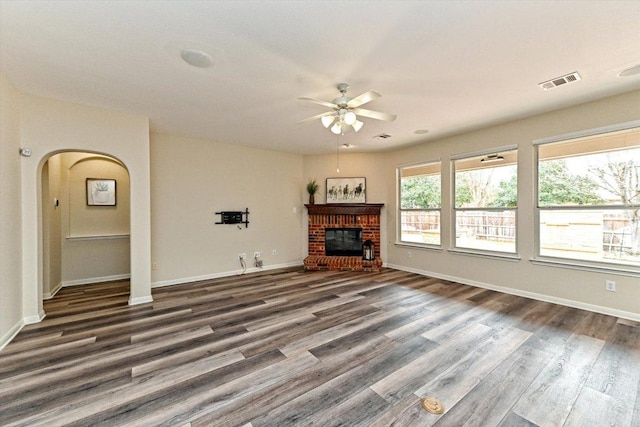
[295,348]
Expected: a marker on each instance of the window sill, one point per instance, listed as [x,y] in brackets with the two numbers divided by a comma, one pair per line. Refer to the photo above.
[484,254]
[576,265]
[418,246]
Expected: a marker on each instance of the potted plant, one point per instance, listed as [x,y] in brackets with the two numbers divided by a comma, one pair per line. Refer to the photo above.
[312,189]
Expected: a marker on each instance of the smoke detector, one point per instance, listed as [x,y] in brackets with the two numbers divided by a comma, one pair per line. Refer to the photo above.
[382,136]
[559,81]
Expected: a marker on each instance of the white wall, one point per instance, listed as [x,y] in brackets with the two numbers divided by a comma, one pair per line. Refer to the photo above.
[192,179]
[10,215]
[50,126]
[573,287]
[56,191]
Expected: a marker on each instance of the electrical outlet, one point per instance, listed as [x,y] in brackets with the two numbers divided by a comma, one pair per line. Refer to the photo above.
[257,254]
[274,252]
[408,254]
[242,256]
[154,266]
[610,285]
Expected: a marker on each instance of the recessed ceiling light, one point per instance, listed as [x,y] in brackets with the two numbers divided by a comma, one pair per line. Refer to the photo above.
[630,71]
[421,131]
[196,58]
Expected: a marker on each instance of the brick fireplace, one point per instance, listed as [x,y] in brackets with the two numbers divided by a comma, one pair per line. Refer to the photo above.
[347,215]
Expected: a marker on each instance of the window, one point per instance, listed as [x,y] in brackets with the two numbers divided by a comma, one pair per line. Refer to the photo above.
[589,198]
[486,199]
[419,190]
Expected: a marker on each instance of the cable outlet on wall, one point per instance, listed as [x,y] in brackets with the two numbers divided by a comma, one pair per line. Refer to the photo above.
[610,285]
[242,256]
[154,266]
[274,252]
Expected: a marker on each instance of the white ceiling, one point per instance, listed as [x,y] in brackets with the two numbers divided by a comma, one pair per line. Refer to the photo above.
[446,66]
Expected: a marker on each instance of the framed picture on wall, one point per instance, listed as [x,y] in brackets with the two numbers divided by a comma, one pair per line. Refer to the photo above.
[101,192]
[346,190]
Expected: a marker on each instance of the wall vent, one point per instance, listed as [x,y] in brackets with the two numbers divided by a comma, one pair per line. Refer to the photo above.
[559,81]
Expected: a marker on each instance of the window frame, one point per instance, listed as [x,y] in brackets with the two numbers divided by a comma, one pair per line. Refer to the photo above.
[455,210]
[574,263]
[400,209]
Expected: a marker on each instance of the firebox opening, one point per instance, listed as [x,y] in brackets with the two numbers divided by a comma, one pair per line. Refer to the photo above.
[343,241]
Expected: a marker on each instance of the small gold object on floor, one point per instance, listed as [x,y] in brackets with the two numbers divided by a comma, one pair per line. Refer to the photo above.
[432,405]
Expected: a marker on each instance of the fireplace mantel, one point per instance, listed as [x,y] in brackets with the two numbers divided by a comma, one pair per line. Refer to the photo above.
[345,209]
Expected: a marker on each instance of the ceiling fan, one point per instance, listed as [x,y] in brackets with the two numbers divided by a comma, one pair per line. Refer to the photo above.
[345,111]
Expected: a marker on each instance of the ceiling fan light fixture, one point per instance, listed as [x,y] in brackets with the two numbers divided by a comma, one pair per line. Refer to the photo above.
[350,118]
[344,111]
[327,120]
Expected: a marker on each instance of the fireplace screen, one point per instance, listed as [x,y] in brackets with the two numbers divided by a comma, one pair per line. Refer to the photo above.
[343,241]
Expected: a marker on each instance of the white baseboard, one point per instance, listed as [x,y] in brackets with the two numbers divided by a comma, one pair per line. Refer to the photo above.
[540,297]
[223,274]
[11,333]
[91,280]
[140,300]
[15,329]
[53,293]
[34,319]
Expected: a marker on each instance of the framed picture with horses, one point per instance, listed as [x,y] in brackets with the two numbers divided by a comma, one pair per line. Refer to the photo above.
[346,190]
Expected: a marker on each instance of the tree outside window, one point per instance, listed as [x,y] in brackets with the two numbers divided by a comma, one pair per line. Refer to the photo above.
[589,198]
[420,195]
[486,202]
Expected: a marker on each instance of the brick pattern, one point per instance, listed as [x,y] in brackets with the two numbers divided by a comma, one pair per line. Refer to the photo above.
[317,259]
[341,263]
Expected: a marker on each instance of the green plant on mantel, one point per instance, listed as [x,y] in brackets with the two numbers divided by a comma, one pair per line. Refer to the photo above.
[312,189]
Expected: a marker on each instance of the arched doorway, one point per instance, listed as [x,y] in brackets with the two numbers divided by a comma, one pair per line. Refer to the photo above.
[85,237]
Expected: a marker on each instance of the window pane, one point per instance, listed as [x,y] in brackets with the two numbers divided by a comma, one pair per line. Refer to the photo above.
[419,209]
[486,230]
[487,184]
[593,235]
[420,227]
[420,192]
[420,186]
[599,171]
[591,179]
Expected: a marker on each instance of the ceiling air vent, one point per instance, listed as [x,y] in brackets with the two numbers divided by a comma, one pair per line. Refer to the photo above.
[559,81]
[382,136]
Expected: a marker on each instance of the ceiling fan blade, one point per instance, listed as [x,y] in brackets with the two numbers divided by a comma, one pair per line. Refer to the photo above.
[363,99]
[375,114]
[316,101]
[319,116]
